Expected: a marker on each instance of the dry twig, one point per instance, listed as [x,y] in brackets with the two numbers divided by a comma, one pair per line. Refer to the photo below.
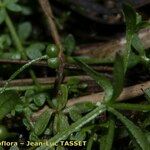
[127,93]
[46,7]
[51,80]
[109,49]
[99,68]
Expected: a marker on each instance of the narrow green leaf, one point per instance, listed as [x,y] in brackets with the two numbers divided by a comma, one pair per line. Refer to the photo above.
[24,30]
[62,97]
[90,143]
[130,18]
[146,122]
[26,10]
[60,123]
[40,99]
[133,60]
[133,129]
[42,122]
[85,107]
[76,111]
[33,137]
[127,54]
[110,135]
[19,108]
[8,101]
[118,74]
[128,106]
[143,24]
[69,44]
[35,50]
[26,123]
[27,111]
[102,141]
[75,114]
[138,45]
[138,18]
[2,15]
[101,80]
[14,7]
[5,41]
[33,107]
[79,136]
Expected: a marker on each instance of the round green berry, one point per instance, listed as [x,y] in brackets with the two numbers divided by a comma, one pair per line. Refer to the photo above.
[53,62]
[52,50]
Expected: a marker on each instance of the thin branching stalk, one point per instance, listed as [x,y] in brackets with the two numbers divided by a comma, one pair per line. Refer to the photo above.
[20,70]
[18,45]
[46,7]
[78,124]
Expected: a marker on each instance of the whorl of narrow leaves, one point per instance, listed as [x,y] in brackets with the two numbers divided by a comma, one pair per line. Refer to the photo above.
[77,125]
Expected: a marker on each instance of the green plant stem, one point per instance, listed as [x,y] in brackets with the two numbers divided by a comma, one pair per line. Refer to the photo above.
[30,87]
[20,70]
[89,60]
[15,37]
[18,45]
[127,106]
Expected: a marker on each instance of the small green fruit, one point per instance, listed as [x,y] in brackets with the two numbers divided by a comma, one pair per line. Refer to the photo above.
[3,132]
[52,50]
[53,62]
